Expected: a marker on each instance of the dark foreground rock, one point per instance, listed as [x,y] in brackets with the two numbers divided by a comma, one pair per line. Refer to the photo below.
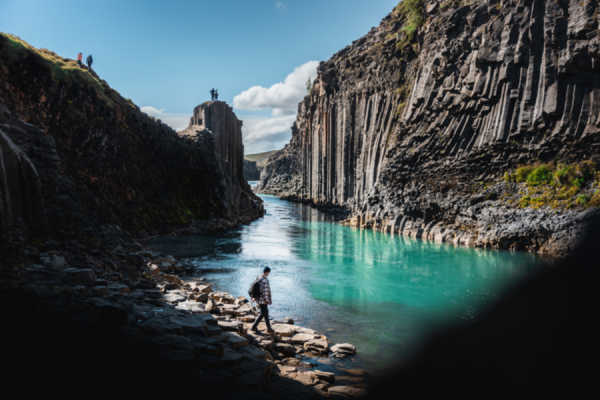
[123,313]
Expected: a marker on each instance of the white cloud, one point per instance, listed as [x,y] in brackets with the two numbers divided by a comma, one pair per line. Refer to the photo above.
[176,121]
[265,134]
[279,6]
[282,97]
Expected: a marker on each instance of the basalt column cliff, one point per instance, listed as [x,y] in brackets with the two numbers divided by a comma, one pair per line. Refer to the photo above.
[216,121]
[79,160]
[475,123]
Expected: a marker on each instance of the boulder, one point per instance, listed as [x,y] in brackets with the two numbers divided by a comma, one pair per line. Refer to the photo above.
[173,298]
[173,279]
[231,326]
[301,338]
[83,277]
[344,348]
[284,348]
[288,321]
[318,346]
[201,297]
[119,288]
[283,330]
[251,351]
[99,291]
[55,263]
[235,340]
[191,306]
[154,269]
[211,306]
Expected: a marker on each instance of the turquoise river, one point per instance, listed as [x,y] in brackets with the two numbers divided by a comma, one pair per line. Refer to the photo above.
[380,292]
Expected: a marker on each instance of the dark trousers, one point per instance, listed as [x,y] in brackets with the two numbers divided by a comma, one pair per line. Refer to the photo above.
[264,313]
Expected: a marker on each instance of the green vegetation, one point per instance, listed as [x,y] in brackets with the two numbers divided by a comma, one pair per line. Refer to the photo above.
[556,175]
[557,185]
[259,157]
[582,200]
[309,86]
[65,71]
[414,12]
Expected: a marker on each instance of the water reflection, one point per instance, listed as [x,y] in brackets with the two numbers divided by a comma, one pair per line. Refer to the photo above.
[377,291]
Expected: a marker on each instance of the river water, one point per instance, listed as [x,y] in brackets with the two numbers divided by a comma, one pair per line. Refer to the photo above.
[380,292]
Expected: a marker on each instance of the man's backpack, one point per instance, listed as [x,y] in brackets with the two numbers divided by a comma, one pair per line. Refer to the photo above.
[255,290]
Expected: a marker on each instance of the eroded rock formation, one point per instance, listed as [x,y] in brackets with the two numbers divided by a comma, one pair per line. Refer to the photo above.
[401,131]
[251,171]
[77,154]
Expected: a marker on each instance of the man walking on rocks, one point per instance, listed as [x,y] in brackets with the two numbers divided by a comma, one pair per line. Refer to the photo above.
[263,301]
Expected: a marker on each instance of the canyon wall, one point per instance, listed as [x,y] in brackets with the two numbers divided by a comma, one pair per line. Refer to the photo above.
[251,171]
[101,162]
[414,135]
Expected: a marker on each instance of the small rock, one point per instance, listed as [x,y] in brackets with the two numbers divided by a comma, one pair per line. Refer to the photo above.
[346,348]
[288,320]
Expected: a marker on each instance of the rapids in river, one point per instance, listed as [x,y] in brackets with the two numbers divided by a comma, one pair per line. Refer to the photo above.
[380,292]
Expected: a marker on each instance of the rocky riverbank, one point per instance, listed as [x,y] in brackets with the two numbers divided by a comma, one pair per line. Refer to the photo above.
[194,333]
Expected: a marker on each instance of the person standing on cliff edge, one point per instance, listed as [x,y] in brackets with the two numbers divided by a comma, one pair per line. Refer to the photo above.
[212,94]
[89,61]
[79,57]
[263,301]
[217,95]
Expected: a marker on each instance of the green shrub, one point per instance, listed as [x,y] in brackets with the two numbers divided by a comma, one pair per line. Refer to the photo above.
[582,199]
[540,175]
[522,173]
[564,174]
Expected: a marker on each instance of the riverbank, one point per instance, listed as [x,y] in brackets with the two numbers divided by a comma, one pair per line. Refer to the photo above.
[493,219]
[184,328]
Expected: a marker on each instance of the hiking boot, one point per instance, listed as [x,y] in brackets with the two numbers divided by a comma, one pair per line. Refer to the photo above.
[270,331]
[254,330]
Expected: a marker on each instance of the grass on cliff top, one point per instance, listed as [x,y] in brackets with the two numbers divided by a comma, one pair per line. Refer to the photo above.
[258,157]
[65,71]
[414,13]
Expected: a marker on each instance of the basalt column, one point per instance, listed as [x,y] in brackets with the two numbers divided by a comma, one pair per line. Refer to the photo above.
[219,118]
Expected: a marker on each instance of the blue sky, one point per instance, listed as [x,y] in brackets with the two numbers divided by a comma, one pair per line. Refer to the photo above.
[167,55]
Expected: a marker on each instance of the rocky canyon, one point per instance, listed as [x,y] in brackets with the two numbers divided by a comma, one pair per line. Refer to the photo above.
[439,123]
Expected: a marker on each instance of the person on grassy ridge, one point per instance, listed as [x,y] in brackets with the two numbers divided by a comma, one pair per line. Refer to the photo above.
[263,301]
[79,57]
[89,61]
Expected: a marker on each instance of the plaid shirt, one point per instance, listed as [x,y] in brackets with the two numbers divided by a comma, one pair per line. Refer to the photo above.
[265,297]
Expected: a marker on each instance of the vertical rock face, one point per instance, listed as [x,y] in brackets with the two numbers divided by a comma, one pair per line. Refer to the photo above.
[22,211]
[215,122]
[398,131]
[102,163]
[251,172]
[219,118]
